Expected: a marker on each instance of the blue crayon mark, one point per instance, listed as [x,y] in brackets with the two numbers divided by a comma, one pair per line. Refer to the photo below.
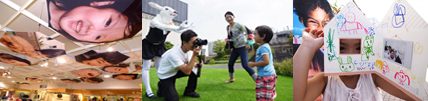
[398,16]
[371,31]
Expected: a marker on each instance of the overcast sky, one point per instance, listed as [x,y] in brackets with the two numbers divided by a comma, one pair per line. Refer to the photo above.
[209,22]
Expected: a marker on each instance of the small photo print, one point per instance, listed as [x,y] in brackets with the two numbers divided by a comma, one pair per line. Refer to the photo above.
[86,73]
[15,60]
[33,79]
[398,51]
[122,68]
[92,80]
[94,58]
[71,80]
[33,44]
[126,76]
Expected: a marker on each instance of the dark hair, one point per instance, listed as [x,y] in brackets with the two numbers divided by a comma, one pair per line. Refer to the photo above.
[187,35]
[120,66]
[304,7]
[135,76]
[76,80]
[266,31]
[111,57]
[52,52]
[133,13]
[11,57]
[97,79]
[228,12]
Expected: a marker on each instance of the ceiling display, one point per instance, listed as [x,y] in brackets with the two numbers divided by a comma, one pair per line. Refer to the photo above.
[95,21]
[70,41]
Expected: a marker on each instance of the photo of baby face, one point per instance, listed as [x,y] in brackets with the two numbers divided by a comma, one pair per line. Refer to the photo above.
[125,76]
[92,80]
[22,83]
[94,58]
[95,21]
[86,73]
[32,44]
[122,68]
[14,60]
[33,79]
[71,80]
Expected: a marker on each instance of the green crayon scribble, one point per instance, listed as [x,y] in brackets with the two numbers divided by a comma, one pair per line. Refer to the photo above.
[368,48]
[346,67]
[330,46]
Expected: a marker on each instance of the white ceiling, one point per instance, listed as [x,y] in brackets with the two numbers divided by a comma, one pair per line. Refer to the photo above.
[28,21]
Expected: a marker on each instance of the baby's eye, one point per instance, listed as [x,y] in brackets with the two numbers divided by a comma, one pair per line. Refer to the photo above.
[166,8]
[98,37]
[9,43]
[108,23]
[342,48]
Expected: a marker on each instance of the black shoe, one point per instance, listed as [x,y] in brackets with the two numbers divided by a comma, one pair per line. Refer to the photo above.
[192,94]
[151,95]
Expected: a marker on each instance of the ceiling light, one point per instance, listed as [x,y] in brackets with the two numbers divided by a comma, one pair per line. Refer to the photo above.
[13,81]
[54,78]
[106,76]
[52,74]
[110,49]
[9,76]
[1,67]
[61,60]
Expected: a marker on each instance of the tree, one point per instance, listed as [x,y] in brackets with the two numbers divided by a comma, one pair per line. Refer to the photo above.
[168,45]
[336,8]
[290,39]
[219,48]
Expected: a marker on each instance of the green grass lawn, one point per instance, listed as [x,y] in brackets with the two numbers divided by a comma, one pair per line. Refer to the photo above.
[211,86]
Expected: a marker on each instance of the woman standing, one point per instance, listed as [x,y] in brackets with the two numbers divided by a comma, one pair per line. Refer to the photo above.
[238,40]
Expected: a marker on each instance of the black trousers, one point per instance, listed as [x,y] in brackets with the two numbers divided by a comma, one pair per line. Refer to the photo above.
[167,86]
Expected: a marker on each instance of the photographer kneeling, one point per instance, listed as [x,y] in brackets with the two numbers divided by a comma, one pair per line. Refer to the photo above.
[175,63]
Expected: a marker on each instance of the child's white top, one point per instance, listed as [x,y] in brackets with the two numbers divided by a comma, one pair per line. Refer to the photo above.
[366,90]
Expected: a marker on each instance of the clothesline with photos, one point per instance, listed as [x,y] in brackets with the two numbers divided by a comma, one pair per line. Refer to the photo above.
[42,49]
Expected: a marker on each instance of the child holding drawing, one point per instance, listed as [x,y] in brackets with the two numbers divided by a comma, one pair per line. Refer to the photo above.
[360,87]
[266,78]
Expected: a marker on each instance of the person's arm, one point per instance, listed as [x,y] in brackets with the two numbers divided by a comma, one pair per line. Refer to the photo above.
[187,68]
[304,89]
[264,62]
[165,27]
[265,55]
[389,88]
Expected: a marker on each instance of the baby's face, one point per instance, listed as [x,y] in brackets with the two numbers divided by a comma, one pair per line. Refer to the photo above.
[317,19]
[350,46]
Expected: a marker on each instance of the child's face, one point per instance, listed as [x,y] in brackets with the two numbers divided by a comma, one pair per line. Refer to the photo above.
[317,19]
[350,46]
[257,37]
